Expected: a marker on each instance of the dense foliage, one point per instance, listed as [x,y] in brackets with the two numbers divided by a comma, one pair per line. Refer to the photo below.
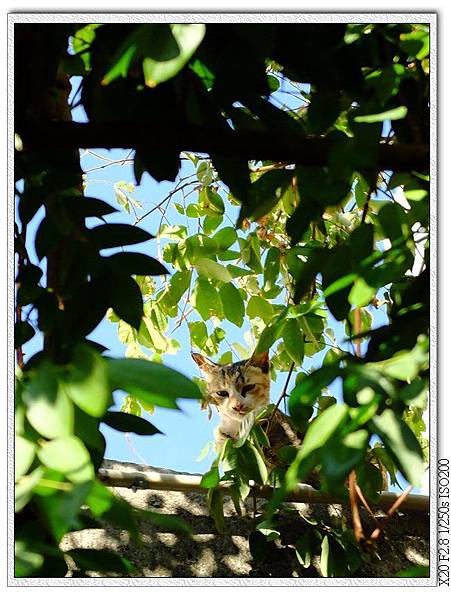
[293,250]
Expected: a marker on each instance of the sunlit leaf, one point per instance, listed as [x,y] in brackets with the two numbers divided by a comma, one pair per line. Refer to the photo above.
[211,269]
[69,455]
[157,66]
[48,407]
[232,303]
[86,381]
[24,453]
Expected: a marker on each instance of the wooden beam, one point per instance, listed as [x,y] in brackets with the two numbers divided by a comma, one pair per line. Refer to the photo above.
[147,479]
[250,145]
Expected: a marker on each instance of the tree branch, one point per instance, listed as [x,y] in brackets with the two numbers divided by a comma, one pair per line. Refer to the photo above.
[249,145]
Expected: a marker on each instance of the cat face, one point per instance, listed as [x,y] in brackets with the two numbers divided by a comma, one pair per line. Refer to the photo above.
[236,388]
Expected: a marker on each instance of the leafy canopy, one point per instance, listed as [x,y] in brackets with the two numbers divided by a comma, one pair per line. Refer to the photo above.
[284,249]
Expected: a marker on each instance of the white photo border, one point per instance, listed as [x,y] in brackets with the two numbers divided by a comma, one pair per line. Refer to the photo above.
[430,18]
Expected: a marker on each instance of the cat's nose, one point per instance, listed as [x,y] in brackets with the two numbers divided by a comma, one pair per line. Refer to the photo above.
[238,407]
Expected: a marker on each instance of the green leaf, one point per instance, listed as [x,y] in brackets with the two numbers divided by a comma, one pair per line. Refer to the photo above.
[259,307]
[211,202]
[232,303]
[309,388]
[151,381]
[266,528]
[225,237]
[304,549]
[322,428]
[129,423]
[62,509]
[204,172]
[415,43]
[205,299]
[273,83]
[401,443]
[69,455]
[24,453]
[391,218]
[209,268]
[198,333]
[393,114]
[323,111]
[25,486]
[272,267]
[404,365]
[199,246]
[210,223]
[103,503]
[26,561]
[123,57]
[168,51]
[271,333]
[293,338]
[48,408]
[234,172]
[136,264]
[28,291]
[172,232]
[265,193]
[84,206]
[249,463]
[324,560]
[117,234]
[86,381]
[318,433]
[335,561]
[216,507]
[211,478]
[340,456]
[414,571]
[99,499]
[126,298]
[100,561]
[369,479]
[361,294]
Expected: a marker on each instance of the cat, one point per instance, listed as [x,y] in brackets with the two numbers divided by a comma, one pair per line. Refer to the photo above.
[236,389]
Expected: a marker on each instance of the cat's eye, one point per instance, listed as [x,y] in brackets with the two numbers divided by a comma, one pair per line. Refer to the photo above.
[222,393]
[247,388]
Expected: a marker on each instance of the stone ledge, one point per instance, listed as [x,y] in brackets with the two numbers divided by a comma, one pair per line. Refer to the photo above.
[206,553]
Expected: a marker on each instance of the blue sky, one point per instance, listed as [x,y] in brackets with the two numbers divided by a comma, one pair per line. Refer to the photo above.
[187,431]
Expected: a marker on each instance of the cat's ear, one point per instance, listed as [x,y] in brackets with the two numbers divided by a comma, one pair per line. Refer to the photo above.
[260,360]
[204,363]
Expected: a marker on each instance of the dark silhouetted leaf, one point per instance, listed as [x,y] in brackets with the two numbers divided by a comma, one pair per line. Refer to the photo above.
[23,332]
[117,234]
[129,423]
[136,264]
[101,561]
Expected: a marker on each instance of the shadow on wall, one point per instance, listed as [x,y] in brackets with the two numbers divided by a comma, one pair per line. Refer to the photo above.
[207,553]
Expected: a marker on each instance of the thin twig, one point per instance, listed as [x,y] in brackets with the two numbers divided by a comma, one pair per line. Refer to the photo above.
[133,450]
[168,197]
[282,396]
[356,522]
[365,503]
[396,504]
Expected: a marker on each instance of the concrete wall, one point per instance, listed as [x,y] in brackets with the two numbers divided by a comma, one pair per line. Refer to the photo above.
[206,553]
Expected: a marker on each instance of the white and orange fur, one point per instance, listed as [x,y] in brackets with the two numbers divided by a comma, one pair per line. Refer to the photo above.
[235,389]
